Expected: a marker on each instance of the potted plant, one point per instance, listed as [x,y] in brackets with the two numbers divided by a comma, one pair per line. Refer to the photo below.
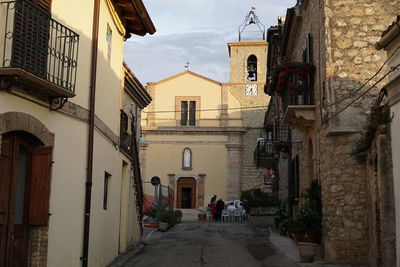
[309,222]
[178,215]
[202,216]
[163,219]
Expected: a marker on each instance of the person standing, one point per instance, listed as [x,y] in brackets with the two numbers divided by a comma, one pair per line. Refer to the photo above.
[219,206]
[212,209]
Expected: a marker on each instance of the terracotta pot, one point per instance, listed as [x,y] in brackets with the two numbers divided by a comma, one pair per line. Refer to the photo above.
[298,237]
[202,218]
[307,251]
[162,226]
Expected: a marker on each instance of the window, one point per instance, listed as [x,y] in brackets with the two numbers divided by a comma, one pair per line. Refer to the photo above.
[107,178]
[188,113]
[252,68]
[187,159]
[109,41]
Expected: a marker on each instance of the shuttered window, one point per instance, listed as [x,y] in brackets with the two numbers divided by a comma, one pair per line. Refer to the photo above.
[192,113]
[40,186]
[184,113]
[31,36]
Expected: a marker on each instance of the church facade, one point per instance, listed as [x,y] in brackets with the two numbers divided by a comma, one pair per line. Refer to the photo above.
[200,134]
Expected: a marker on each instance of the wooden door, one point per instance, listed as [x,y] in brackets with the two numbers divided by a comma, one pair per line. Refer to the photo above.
[186,193]
[5,178]
[24,193]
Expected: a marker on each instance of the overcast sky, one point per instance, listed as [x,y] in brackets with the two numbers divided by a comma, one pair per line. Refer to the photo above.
[196,31]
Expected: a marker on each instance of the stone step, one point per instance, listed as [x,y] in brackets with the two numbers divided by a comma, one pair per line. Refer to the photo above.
[190,214]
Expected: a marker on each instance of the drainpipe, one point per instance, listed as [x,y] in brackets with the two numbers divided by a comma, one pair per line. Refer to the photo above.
[92,102]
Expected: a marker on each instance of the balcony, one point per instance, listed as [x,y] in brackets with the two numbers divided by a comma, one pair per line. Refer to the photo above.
[125,138]
[293,81]
[264,155]
[37,52]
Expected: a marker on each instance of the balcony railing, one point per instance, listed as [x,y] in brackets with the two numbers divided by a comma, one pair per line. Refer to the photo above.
[125,139]
[264,156]
[39,45]
[299,92]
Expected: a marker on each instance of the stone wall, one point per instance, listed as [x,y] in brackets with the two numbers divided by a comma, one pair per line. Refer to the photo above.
[253,120]
[38,246]
[351,30]
[381,207]
[344,196]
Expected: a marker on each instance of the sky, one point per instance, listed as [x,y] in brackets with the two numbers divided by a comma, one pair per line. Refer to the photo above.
[194,31]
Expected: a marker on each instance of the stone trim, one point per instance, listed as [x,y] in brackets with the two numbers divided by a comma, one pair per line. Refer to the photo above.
[178,100]
[201,189]
[82,114]
[183,159]
[18,121]
[187,142]
[194,130]
[182,73]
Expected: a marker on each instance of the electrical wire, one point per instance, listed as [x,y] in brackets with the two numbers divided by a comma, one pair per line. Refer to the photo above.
[362,86]
[392,69]
[211,109]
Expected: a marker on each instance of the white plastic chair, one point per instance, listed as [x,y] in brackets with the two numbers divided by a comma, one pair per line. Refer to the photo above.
[225,215]
[237,215]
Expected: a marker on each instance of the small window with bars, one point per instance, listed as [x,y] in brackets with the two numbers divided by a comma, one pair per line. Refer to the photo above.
[109,42]
[107,178]
[188,113]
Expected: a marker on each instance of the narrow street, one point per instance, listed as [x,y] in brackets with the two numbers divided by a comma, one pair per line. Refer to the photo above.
[210,244]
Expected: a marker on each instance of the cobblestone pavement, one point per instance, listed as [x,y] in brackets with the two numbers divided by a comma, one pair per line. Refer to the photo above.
[210,244]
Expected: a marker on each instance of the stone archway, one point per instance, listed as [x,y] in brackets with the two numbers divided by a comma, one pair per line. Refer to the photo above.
[186,193]
[18,121]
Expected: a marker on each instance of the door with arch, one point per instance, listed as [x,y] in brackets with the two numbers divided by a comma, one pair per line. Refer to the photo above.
[24,192]
[186,193]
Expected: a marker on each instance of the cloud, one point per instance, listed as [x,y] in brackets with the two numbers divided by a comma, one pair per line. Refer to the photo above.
[195,30]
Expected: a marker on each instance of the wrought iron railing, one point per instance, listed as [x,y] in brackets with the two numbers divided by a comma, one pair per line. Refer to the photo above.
[35,42]
[125,139]
[264,155]
[281,131]
[301,94]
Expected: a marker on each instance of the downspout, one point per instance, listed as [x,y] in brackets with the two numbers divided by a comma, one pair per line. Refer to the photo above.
[92,102]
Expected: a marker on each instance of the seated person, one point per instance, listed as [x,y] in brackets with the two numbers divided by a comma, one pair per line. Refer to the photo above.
[231,207]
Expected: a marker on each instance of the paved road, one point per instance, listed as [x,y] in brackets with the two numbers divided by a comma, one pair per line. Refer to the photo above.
[210,244]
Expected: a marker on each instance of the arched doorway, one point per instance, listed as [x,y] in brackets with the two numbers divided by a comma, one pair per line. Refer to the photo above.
[24,192]
[186,193]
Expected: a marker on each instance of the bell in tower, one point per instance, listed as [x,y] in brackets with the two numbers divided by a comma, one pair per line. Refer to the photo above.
[251,28]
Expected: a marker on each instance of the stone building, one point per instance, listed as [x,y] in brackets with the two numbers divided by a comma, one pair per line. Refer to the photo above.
[385,154]
[200,134]
[67,194]
[329,110]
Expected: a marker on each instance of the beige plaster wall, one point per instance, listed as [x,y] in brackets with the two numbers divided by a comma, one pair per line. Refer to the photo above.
[104,232]
[79,20]
[68,180]
[187,85]
[209,159]
[69,170]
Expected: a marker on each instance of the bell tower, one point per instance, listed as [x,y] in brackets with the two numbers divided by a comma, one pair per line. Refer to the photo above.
[249,55]
[248,61]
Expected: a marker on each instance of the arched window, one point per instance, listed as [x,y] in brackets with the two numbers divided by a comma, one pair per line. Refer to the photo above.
[252,68]
[187,159]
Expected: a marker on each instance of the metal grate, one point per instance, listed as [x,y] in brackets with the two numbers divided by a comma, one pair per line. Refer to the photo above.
[264,156]
[35,42]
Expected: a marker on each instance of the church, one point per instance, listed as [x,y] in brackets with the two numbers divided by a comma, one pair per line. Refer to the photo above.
[199,134]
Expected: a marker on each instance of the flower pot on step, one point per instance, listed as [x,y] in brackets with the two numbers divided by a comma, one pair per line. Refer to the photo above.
[307,251]
[162,226]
